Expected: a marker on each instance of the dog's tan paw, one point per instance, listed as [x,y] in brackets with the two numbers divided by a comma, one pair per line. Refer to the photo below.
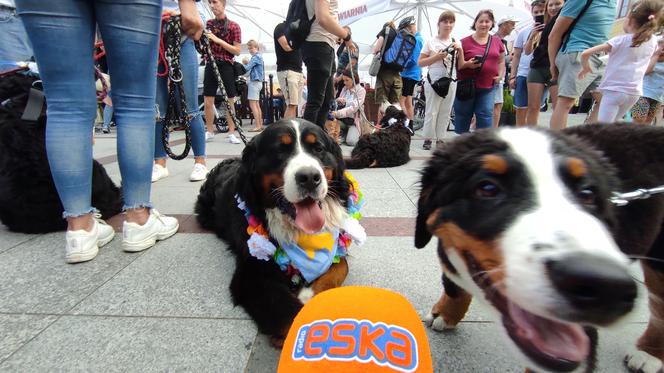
[305,295]
[436,323]
[643,362]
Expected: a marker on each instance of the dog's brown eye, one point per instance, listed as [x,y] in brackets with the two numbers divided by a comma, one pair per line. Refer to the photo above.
[487,189]
[586,196]
[318,148]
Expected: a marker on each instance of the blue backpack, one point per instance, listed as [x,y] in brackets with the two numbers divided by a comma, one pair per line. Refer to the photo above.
[400,52]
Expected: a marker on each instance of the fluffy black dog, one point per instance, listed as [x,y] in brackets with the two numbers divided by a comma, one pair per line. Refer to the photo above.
[29,202]
[388,147]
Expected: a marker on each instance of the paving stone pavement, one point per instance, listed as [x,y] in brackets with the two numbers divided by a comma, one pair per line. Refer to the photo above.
[169,309]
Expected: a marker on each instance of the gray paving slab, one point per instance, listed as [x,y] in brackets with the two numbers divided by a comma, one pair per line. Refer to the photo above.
[17,330]
[374,177]
[388,203]
[9,239]
[35,278]
[109,344]
[264,358]
[175,199]
[185,276]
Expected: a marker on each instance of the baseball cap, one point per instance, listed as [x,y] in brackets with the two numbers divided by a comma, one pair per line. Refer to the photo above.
[410,20]
[356,329]
[507,19]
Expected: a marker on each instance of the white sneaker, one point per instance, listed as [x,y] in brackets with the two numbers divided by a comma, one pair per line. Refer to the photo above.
[140,237]
[83,245]
[209,136]
[233,140]
[199,173]
[159,172]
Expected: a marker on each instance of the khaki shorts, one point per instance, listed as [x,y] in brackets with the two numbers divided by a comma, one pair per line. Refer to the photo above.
[569,66]
[291,83]
[388,86]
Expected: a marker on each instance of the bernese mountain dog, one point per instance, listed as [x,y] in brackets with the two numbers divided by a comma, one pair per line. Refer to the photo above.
[289,186]
[389,147]
[29,202]
[526,222]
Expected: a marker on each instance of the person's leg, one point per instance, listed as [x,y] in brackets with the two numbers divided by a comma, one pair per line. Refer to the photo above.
[318,58]
[463,113]
[108,114]
[484,102]
[134,88]
[14,43]
[444,113]
[535,91]
[521,100]
[255,107]
[594,115]
[497,93]
[561,112]
[329,95]
[228,80]
[431,113]
[640,111]
[68,82]
[210,86]
[189,63]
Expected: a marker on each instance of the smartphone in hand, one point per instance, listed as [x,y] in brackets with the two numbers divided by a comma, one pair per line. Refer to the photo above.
[478,58]
[539,19]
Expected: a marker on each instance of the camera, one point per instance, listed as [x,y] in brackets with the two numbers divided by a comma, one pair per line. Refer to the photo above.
[450,49]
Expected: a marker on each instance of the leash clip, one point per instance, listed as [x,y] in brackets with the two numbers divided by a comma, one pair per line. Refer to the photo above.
[622,199]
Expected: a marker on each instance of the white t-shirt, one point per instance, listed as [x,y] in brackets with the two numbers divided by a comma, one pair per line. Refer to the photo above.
[439,68]
[317,32]
[524,61]
[627,65]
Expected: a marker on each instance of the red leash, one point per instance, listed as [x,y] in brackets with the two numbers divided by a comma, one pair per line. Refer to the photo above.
[161,61]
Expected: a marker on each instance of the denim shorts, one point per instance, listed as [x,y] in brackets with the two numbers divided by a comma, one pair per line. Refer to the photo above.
[521,92]
[254,90]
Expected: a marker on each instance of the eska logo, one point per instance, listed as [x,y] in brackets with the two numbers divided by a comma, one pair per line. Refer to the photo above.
[360,340]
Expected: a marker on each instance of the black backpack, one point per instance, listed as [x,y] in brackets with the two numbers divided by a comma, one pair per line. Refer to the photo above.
[400,52]
[298,23]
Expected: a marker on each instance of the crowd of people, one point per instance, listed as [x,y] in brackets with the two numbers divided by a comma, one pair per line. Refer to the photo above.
[557,57]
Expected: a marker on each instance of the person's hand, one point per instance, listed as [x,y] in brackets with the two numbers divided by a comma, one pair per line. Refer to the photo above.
[245,60]
[497,79]
[512,83]
[351,46]
[553,69]
[442,54]
[584,70]
[192,24]
[456,45]
[538,27]
[213,38]
[341,100]
[473,64]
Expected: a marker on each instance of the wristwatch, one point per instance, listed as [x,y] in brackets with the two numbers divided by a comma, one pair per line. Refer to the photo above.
[347,38]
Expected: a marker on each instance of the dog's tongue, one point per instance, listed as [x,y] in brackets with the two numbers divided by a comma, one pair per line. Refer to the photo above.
[309,216]
[556,339]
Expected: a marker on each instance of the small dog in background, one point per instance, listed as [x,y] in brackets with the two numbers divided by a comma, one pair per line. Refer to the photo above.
[389,147]
[29,202]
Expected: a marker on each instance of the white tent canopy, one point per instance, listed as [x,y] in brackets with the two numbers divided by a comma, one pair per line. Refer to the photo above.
[257,19]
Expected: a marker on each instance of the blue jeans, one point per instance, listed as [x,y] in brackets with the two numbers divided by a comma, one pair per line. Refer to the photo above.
[62,34]
[14,43]
[108,113]
[189,64]
[481,105]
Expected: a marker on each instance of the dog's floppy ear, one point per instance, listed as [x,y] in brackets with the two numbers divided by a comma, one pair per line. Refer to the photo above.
[422,234]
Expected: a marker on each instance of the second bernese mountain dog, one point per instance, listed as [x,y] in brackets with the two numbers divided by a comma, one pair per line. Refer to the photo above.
[526,223]
[289,186]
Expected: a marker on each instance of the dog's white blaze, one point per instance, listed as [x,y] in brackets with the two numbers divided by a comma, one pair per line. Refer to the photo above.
[557,224]
[301,160]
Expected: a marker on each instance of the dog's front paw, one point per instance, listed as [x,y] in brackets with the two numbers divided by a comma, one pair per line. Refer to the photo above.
[641,361]
[436,323]
[305,295]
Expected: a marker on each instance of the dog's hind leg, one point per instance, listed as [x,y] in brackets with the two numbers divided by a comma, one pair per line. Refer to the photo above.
[264,292]
[649,356]
[361,159]
[450,308]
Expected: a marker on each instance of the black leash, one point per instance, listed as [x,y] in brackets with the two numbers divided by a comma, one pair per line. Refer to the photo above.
[176,109]
[204,48]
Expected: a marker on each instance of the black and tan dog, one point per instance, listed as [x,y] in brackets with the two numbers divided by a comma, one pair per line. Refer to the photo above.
[29,202]
[525,223]
[291,179]
[389,147]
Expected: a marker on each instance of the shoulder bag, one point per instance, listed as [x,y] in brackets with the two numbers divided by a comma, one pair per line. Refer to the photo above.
[378,57]
[442,85]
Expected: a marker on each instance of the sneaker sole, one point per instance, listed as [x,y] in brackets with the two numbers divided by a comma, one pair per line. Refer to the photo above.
[197,178]
[134,247]
[103,241]
[84,256]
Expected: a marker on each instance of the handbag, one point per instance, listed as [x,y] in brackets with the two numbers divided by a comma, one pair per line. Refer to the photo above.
[466,88]
[442,85]
[378,58]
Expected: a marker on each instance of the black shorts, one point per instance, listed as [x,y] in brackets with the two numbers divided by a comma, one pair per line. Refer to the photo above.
[408,86]
[210,84]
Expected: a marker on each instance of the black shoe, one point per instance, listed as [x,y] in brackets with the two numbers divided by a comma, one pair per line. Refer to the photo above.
[426,145]
[544,107]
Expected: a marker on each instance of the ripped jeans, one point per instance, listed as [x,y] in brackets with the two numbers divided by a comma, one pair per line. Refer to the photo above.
[189,64]
[62,34]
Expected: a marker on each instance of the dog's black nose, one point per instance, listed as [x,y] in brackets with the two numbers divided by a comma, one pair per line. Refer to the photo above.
[599,289]
[308,179]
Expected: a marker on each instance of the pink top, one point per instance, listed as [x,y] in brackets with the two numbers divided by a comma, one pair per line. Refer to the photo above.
[490,69]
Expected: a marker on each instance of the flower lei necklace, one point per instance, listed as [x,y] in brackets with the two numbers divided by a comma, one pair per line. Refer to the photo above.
[310,255]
